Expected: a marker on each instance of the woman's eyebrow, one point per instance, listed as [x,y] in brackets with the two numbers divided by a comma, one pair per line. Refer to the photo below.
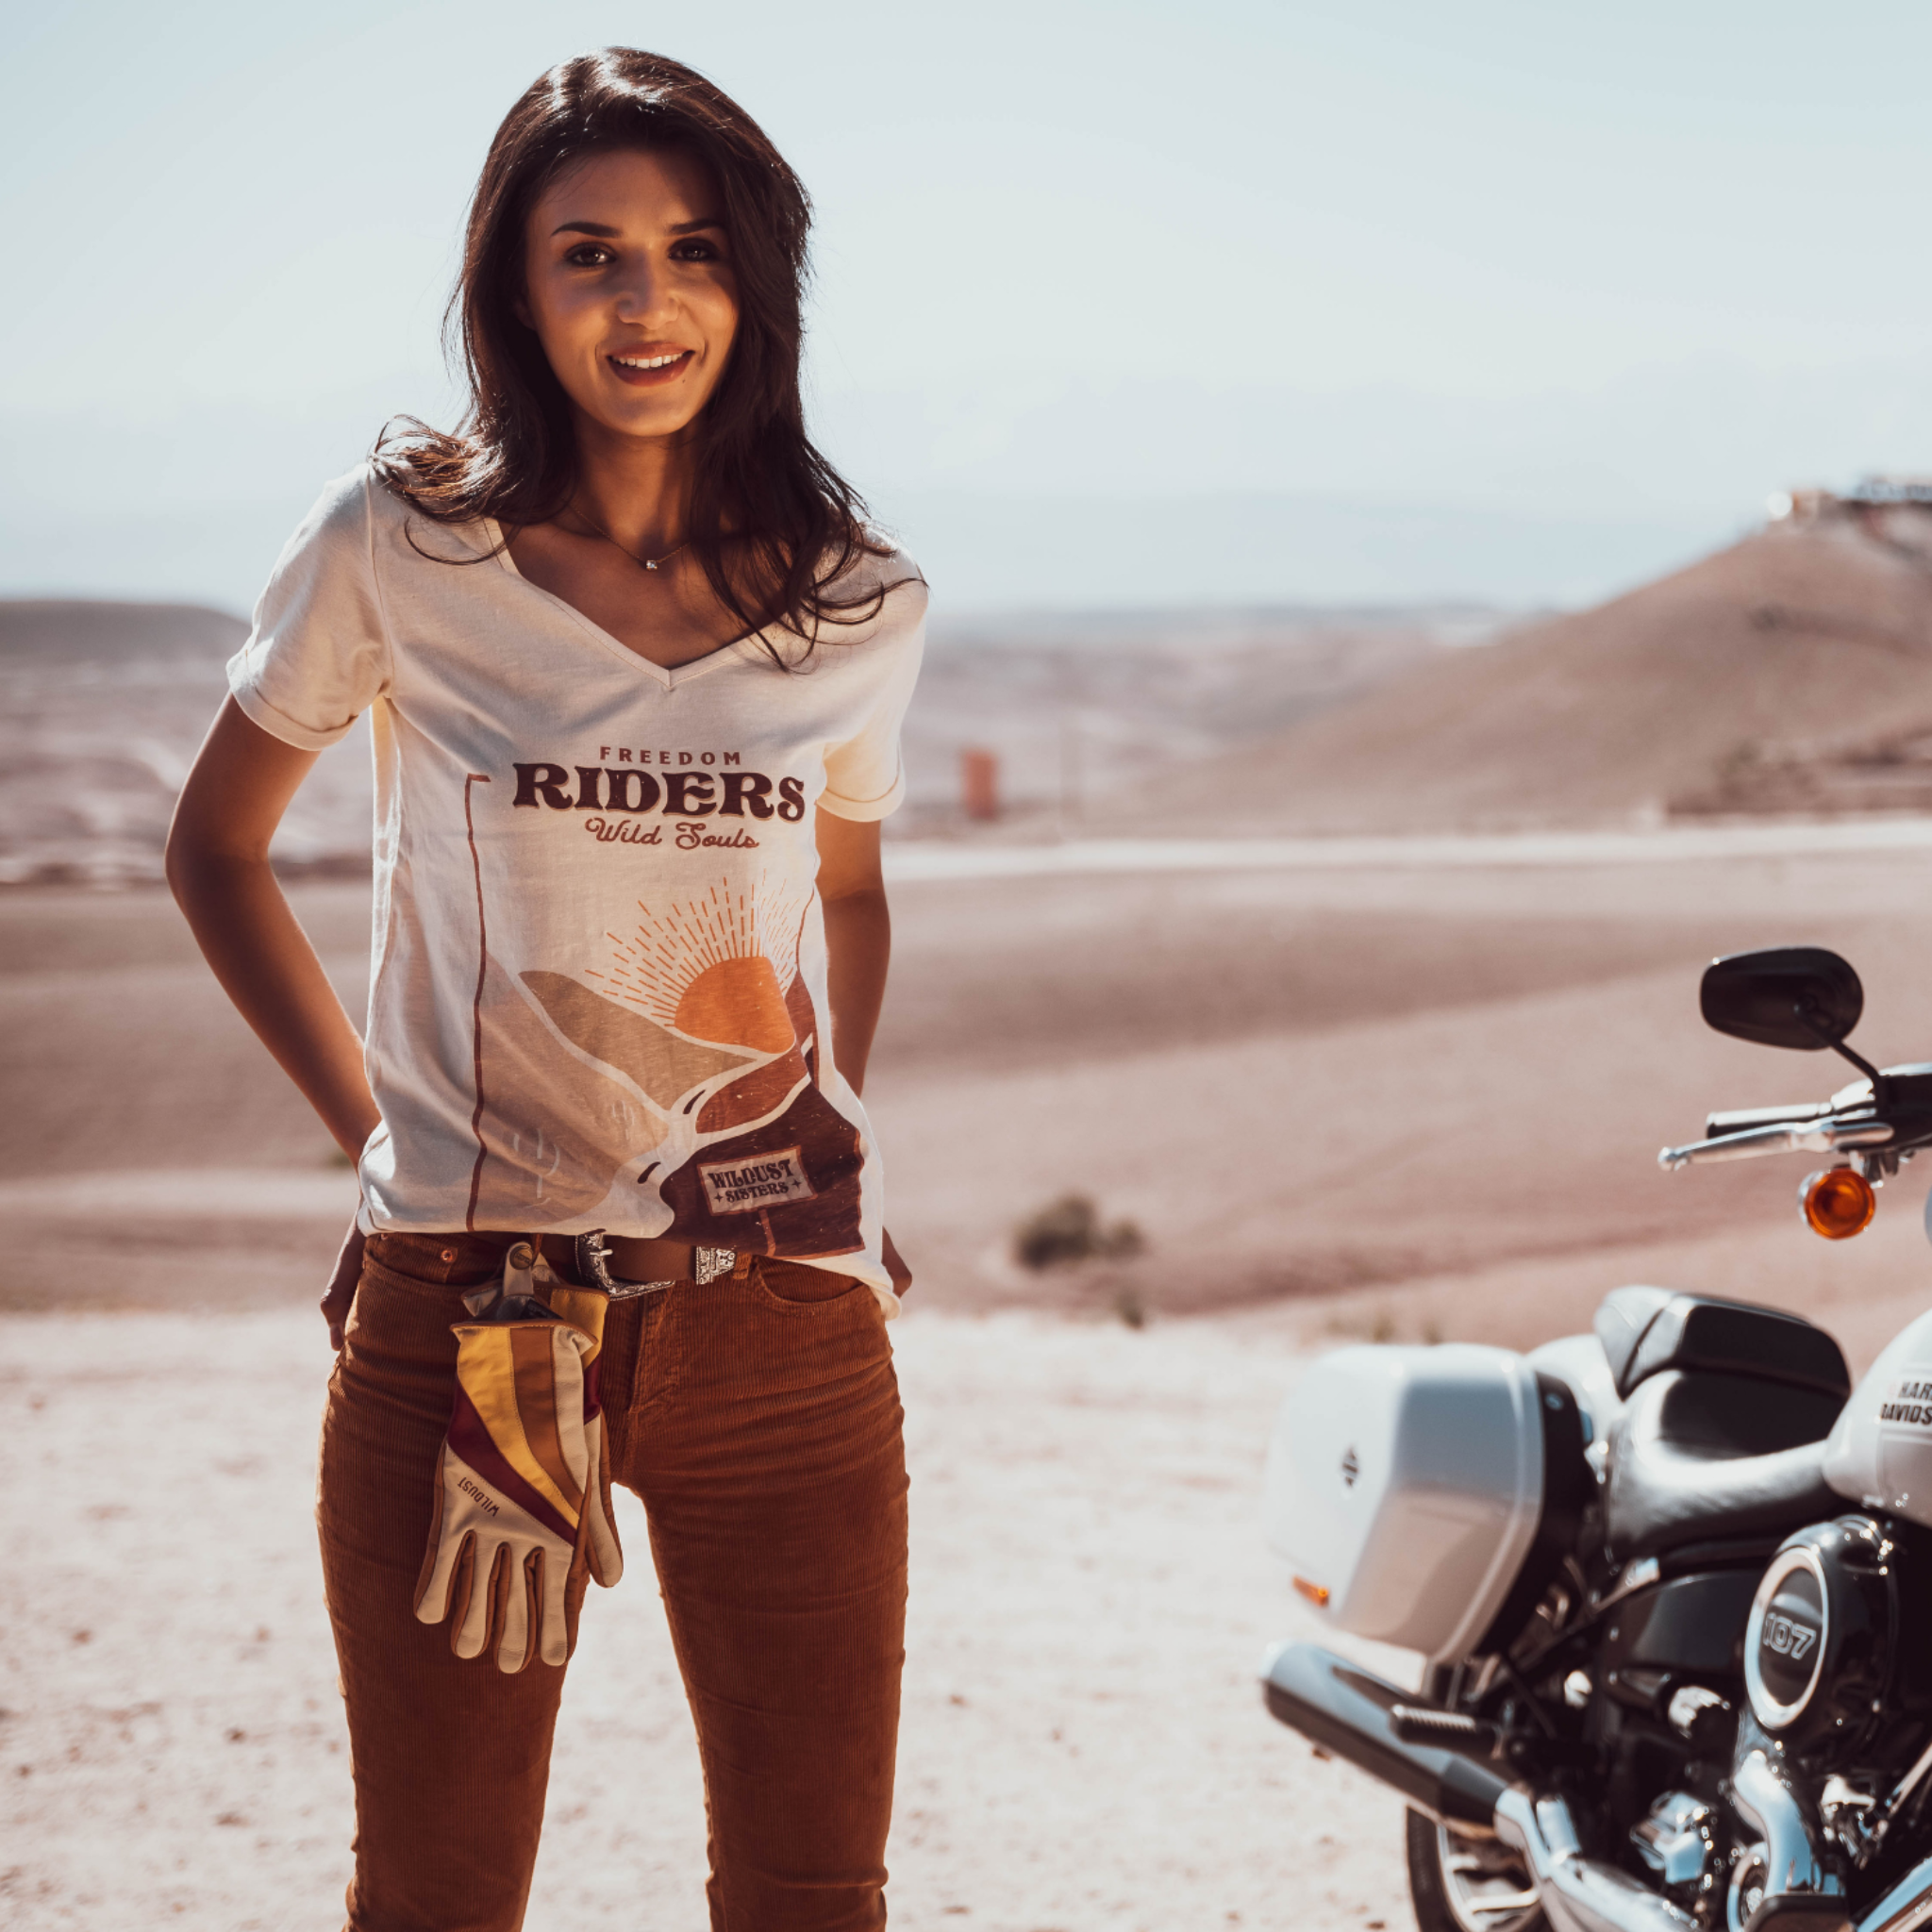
[607,232]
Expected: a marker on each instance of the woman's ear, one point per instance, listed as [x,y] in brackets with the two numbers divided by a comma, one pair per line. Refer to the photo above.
[521,309]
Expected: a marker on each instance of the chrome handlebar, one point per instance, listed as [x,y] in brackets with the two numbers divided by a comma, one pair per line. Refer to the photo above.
[1792,1137]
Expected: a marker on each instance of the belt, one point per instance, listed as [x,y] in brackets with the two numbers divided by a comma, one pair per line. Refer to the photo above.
[589,1261]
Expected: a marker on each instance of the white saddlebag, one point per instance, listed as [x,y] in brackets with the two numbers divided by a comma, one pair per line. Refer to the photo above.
[1404,1487]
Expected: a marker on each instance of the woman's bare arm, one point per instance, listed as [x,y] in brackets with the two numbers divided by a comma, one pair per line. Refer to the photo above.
[859,938]
[217,864]
[858,949]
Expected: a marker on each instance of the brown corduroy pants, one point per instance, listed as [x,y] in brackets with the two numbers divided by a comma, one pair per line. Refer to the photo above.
[758,1417]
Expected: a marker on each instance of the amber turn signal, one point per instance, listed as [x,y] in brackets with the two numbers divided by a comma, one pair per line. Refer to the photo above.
[1317,1593]
[1837,1203]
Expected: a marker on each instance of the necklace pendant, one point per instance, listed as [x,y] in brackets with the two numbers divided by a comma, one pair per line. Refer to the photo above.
[650,563]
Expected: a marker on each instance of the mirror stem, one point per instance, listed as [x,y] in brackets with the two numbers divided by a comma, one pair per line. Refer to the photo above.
[1800,1011]
[1865,1067]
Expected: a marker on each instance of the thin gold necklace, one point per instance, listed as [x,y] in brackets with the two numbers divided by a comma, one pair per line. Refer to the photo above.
[648,562]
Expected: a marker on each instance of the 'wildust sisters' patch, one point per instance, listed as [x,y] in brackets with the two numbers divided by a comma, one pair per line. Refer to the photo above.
[742,1186]
[795,1180]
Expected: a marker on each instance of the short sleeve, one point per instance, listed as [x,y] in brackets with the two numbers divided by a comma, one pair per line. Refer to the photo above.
[865,777]
[318,654]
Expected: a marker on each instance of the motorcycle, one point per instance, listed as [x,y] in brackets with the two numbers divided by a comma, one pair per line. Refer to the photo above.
[1672,1581]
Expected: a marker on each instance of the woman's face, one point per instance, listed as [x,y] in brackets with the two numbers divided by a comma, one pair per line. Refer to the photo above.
[629,287]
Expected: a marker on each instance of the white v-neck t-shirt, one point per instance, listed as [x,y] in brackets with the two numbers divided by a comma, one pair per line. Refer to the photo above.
[598,996]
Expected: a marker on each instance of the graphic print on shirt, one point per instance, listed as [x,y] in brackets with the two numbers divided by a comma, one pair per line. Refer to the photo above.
[534,780]
[692,1089]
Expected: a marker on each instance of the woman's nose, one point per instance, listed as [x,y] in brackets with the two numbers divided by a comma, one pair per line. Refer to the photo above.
[644,296]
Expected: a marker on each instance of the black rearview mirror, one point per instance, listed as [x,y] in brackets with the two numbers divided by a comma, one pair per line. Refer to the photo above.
[1796,996]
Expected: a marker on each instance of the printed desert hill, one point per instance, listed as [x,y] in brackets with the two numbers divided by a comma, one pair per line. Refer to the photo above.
[1791,672]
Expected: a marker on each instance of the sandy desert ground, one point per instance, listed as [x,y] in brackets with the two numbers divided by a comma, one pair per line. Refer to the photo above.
[1084,1746]
[1379,1095]
[1385,1101]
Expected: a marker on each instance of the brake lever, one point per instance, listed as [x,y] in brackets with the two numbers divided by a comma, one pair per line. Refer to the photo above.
[1820,1137]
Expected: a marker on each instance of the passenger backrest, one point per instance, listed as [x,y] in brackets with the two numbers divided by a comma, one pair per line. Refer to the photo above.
[1645,1330]
[1723,1417]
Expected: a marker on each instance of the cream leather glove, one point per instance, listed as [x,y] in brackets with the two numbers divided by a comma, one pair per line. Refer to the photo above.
[520,1483]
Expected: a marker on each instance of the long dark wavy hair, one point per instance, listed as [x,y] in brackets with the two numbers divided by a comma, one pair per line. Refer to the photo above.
[774,526]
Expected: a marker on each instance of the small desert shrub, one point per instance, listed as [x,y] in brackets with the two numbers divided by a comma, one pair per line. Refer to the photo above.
[1068,1229]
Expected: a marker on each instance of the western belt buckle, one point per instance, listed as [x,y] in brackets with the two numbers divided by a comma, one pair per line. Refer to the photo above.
[593,1266]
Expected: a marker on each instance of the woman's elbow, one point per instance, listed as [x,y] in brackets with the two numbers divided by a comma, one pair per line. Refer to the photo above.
[199,859]
[186,864]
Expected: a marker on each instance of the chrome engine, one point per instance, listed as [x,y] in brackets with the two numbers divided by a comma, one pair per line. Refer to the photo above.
[1677,1844]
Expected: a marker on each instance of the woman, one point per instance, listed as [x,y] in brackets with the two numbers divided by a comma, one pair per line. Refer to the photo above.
[636,672]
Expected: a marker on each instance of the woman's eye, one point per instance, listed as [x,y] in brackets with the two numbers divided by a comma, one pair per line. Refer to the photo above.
[588,255]
[695,250]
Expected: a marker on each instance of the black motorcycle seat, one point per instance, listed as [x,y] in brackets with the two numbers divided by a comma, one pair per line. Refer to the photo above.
[1646,1330]
[1696,1458]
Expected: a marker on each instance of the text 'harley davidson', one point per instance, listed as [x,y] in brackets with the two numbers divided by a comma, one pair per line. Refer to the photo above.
[1673,1580]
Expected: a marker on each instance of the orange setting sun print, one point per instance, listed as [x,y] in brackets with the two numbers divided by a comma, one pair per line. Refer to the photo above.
[673,1089]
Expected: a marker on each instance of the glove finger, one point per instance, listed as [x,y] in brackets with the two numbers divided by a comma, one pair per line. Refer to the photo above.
[439,1559]
[551,1582]
[462,1577]
[513,1649]
[486,1577]
[446,1591]
[601,1547]
[567,1371]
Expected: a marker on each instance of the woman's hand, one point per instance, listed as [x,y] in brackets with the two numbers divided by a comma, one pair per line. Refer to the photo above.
[896,1265]
[339,1295]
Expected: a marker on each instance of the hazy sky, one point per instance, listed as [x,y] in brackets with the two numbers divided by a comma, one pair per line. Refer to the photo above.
[1116,303]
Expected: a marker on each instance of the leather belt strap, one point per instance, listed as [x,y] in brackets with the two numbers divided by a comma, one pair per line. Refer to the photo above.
[624,1267]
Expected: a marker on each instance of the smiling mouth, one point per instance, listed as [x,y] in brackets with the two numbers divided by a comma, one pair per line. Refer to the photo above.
[657,366]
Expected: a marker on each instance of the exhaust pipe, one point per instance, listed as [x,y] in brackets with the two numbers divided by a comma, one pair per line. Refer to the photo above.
[1394,1737]
[1352,1713]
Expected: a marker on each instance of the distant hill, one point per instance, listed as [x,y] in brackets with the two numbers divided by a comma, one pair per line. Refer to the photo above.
[1077,705]
[1789,673]
[47,630]
[102,707]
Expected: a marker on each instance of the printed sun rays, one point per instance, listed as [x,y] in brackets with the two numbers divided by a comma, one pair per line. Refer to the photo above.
[716,968]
